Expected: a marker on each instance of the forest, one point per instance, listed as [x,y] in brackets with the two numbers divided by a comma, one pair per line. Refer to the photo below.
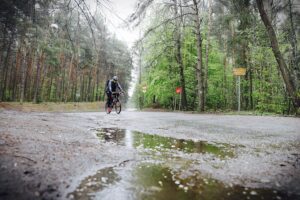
[58,51]
[195,46]
[62,51]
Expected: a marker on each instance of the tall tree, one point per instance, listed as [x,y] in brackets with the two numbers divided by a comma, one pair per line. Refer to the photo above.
[285,73]
[207,48]
[47,57]
[178,54]
[199,70]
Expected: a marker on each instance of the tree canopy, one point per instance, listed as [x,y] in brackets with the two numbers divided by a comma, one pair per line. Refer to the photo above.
[61,50]
[58,50]
[213,38]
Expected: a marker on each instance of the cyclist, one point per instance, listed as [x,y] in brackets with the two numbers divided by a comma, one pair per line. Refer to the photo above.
[111,88]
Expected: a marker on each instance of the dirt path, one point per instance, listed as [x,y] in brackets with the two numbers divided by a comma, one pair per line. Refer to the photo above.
[47,155]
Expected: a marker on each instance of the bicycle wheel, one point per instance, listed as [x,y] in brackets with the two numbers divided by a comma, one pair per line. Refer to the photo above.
[118,107]
[107,108]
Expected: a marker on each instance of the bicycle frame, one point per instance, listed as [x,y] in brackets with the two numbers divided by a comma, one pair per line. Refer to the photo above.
[115,103]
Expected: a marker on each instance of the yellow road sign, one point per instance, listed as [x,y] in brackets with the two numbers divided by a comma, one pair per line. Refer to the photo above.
[239,71]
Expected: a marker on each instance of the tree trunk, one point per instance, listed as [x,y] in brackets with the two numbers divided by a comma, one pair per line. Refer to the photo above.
[207,50]
[50,85]
[245,85]
[63,84]
[5,70]
[251,87]
[81,85]
[97,84]
[89,85]
[179,58]
[70,79]
[16,73]
[224,85]
[27,87]
[293,41]
[279,58]
[37,78]
[233,49]
[43,77]
[199,70]
[5,74]
[23,66]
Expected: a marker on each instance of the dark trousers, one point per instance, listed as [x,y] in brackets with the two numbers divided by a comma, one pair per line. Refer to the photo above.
[109,98]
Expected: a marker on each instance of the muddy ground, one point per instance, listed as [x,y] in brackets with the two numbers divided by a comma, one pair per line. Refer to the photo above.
[148,155]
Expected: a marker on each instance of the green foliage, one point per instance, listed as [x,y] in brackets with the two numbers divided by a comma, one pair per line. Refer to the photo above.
[215,95]
[269,93]
[239,39]
[61,53]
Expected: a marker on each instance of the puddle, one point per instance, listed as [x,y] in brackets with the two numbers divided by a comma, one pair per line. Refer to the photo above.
[135,139]
[160,182]
[91,184]
[162,178]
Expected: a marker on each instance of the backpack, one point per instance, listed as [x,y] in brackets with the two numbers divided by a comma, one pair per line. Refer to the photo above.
[106,86]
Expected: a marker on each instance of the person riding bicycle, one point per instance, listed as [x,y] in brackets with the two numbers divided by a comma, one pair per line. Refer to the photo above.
[112,87]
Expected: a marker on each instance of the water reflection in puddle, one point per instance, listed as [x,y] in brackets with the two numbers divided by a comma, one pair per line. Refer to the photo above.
[157,181]
[159,178]
[91,184]
[154,181]
[135,139]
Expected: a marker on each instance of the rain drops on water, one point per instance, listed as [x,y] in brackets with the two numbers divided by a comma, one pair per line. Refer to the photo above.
[185,188]
[55,26]
[104,179]
[89,184]
[160,183]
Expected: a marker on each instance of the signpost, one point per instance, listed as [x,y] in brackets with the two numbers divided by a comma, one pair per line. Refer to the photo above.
[178,90]
[240,71]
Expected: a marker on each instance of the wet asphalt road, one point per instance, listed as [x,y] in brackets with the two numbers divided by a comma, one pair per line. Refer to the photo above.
[148,155]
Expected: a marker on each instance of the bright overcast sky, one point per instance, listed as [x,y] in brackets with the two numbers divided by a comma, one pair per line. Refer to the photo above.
[118,11]
[115,13]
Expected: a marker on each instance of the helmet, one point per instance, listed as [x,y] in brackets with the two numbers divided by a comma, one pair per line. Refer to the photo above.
[115,78]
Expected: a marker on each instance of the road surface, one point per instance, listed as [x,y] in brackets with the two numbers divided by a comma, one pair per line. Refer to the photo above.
[148,155]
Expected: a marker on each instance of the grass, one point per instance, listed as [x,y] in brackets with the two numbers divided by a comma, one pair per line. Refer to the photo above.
[99,107]
[54,107]
[256,113]
[223,112]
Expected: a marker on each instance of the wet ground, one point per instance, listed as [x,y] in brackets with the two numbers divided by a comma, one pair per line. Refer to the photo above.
[144,155]
[164,171]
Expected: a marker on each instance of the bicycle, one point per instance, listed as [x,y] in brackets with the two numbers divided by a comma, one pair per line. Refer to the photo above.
[115,104]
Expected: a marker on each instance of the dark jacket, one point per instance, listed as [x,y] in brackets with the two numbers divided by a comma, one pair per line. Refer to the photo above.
[113,86]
